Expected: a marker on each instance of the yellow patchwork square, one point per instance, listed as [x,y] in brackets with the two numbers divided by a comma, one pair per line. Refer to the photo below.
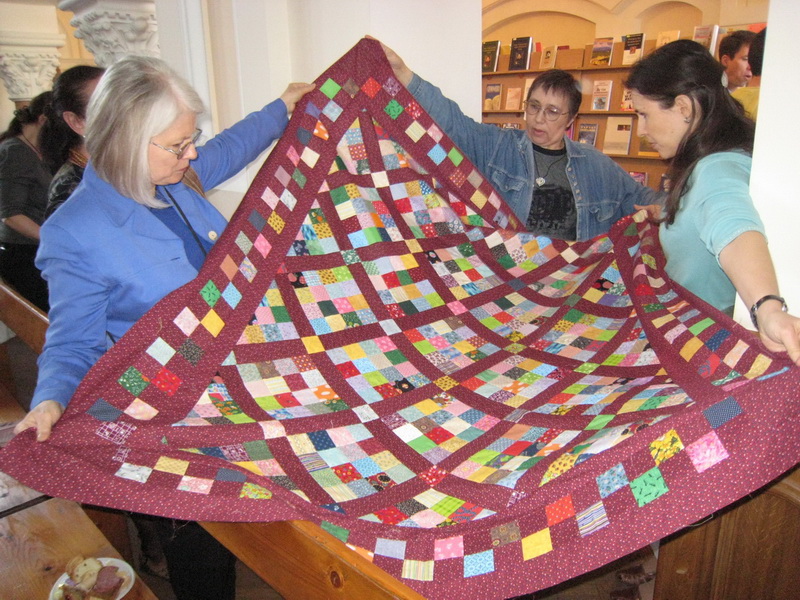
[309,157]
[690,348]
[213,323]
[446,383]
[481,474]
[536,544]
[354,351]
[415,131]
[172,465]
[313,344]
[413,246]
[666,446]
[479,199]
[409,262]
[276,222]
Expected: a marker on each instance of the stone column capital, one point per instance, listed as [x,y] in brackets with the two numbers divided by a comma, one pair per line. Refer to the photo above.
[111,29]
[28,62]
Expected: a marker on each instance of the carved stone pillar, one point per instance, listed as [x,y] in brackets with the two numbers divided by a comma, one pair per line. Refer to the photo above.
[28,62]
[111,29]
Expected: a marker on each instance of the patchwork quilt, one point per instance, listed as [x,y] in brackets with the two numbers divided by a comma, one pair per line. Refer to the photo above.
[377,346]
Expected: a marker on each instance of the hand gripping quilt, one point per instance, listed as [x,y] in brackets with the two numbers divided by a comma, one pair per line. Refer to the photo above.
[375,345]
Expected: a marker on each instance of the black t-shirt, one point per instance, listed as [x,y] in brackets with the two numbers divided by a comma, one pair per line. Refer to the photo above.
[553,212]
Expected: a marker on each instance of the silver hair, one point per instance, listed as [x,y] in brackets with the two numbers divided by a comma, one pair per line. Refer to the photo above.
[137,98]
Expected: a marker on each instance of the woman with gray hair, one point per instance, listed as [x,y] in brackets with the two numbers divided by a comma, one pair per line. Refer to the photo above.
[137,227]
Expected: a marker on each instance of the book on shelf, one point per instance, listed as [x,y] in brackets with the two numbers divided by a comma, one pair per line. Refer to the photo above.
[548,60]
[602,48]
[646,147]
[639,176]
[492,97]
[626,105]
[601,94]
[520,53]
[528,83]
[618,135]
[587,133]
[707,36]
[513,99]
[632,47]
[665,37]
[491,53]
[563,47]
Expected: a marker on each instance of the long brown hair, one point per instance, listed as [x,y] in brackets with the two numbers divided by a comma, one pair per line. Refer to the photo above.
[687,68]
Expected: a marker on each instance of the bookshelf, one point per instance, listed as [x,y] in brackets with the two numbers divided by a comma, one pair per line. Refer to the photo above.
[577,62]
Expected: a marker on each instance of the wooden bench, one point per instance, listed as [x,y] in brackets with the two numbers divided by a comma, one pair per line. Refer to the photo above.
[39,537]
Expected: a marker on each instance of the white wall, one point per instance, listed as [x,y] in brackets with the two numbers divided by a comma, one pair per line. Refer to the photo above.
[774,179]
[256,47]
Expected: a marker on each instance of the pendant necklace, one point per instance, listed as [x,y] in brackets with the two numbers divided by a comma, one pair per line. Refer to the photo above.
[32,147]
[540,181]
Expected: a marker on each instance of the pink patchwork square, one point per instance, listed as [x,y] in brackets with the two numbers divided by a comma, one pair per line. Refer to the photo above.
[706,452]
[449,548]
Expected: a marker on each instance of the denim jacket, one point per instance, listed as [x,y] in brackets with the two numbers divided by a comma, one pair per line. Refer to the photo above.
[603,191]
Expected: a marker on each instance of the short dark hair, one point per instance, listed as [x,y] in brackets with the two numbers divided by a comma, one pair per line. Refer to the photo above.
[756,55]
[732,43]
[560,82]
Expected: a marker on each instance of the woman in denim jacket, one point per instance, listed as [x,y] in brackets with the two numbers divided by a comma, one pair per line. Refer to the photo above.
[558,187]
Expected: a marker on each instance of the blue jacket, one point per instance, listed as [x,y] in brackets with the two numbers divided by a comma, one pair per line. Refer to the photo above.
[603,191]
[109,259]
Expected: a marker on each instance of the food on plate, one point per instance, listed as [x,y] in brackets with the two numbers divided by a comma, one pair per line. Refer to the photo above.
[89,579]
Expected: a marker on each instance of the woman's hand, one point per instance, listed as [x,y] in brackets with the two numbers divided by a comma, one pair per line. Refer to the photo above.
[649,212]
[780,331]
[401,71]
[41,418]
[293,93]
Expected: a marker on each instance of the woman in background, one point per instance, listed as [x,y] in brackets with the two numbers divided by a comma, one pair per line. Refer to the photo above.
[24,179]
[711,233]
[62,134]
[137,227]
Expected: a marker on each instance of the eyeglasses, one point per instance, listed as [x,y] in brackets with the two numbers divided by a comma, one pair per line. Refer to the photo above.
[551,113]
[181,150]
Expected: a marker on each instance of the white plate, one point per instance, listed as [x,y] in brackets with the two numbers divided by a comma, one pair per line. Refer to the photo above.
[122,567]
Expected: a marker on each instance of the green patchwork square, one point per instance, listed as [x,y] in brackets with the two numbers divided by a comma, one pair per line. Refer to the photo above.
[338,532]
[455,156]
[342,273]
[484,457]
[698,328]
[588,367]
[339,195]
[447,506]
[257,450]
[393,109]
[599,422]
[133,381]
[210,293]
[330,88]
[422,444]
[649,486]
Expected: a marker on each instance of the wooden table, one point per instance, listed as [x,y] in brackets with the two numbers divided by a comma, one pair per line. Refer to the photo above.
[39,535]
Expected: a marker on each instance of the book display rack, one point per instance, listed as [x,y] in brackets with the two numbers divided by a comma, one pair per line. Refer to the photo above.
[604,103]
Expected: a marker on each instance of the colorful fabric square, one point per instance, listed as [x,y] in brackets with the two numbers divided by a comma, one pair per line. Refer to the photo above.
[375,346]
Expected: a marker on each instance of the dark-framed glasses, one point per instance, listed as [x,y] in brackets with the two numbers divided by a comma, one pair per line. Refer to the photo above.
[551,113]
[181,150]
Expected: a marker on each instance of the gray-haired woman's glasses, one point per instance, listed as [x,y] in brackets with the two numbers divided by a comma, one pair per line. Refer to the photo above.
[551,113]
[181,150]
